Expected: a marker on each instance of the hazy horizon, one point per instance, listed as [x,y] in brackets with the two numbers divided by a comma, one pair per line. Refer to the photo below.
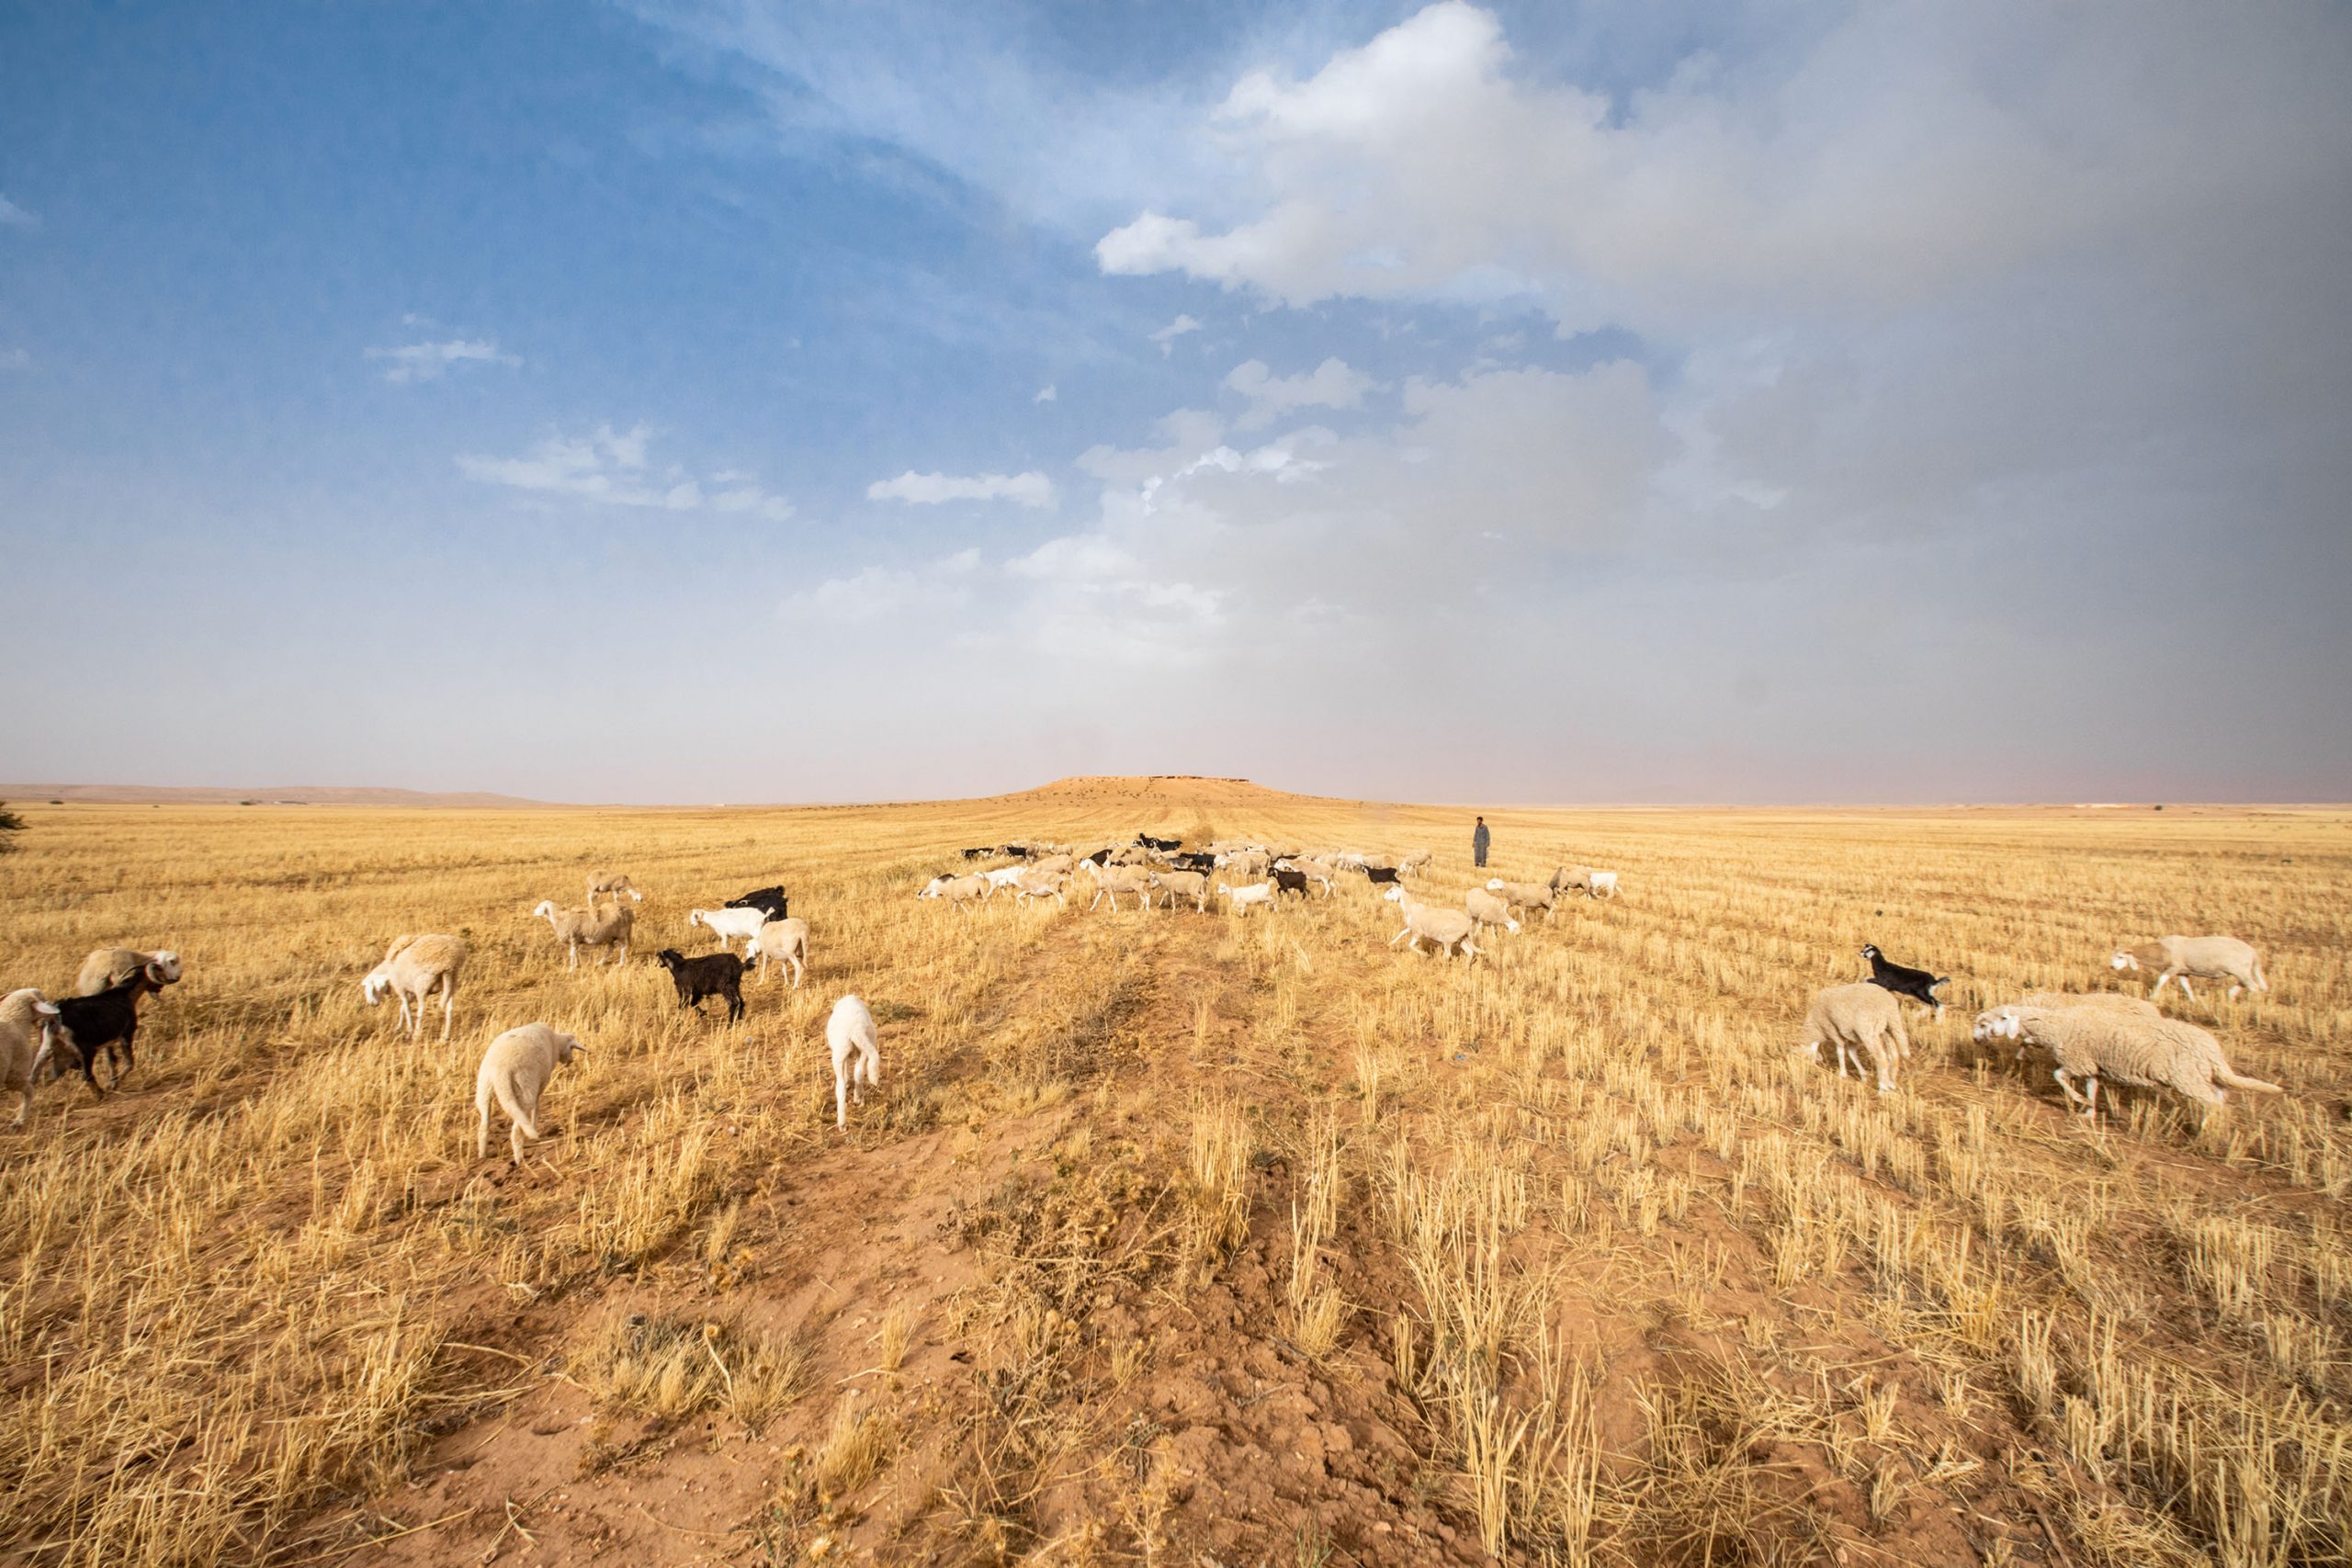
[677,402]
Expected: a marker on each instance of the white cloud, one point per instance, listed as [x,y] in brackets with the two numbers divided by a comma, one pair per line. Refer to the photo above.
[15,217]
[427,361]
[1166,336]
[1031,489]
[610,467]
[880,591]
[16,359]
[1329,385]
[1046,394]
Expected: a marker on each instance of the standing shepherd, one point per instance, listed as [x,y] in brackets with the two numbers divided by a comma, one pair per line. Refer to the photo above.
[1479,840]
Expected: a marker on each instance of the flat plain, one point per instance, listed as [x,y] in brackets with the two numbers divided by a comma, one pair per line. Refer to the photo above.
[1176,1239]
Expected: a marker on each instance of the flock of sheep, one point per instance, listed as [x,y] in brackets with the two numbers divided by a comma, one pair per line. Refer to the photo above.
[2090,1037]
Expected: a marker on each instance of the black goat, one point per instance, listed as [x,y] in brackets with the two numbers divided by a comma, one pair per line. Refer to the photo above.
[983,853]
[1100,857]
[1376,875]
[770,900]
[713,975]
[1164,846]
[1290,882]
[1916,983]
[1195,860]
[102,1023]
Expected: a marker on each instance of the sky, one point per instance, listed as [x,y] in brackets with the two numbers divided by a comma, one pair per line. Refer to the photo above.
[717,401]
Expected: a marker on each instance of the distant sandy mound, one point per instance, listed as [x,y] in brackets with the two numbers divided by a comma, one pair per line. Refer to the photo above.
[271,794]
[1157,790]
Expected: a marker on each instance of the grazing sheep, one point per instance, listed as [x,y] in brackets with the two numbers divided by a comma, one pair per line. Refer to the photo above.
[1858,1019]
[1488,910]
[770,901]
[1919,984]
[28,1033]
[111,966]
[1415,863]
[1183,884]
[413,965]
[786,942]
[732,923]
[2152,1052]
[1601,884]
[961,891]
[108,1022]
[514,1071]
[597,927]
[1248,898]
[1048,865]
[1110,881]
[857,1056]
[612,884]
[1042,884]
[1527,895]
[716,974]
[1450,928]
[2205,957]
[1244,864]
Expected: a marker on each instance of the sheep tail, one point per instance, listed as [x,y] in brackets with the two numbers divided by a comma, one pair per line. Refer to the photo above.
[2229,1079]
[521,1118]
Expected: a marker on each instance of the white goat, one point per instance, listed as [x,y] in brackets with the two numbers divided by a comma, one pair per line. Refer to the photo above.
[857,1054]
[729,925]
[1252,896]
[786,942]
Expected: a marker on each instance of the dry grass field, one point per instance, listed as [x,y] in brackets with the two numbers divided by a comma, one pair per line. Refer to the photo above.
[1176,1239]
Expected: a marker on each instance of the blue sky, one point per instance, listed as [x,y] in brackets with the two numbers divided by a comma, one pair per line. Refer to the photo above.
[741,401]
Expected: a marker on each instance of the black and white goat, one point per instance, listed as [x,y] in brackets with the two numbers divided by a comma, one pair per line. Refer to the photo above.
[712,974]
[88,1025]
[1163,846]
[1919,984]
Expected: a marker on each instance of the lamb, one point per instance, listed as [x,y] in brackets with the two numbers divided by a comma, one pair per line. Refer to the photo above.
[1450,928]
[604,927]
[612,884]
[786,942]
[850,1033]
[961,891]
[1042,884]
[732,922]
[770,901]
[1110,881]
[1527,895]
[413,965]
[2205,957]
[514,1071]
[2152,1052]
[112,965]
[713,975]
[1856,1018]
[1250,897]
[1183,884]
[86,1025]
[1488,910]
[28,1035]
[1919,984]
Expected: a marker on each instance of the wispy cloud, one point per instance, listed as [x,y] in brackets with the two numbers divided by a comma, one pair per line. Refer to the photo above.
[611,468]
[1166,336]
[1031,489]
[427,361]
[15,217]
[879,591]
[1046,394]
[1329,385]
[16,359]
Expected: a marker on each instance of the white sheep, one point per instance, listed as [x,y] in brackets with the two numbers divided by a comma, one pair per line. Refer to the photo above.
[1110,881]
[613,884]
[961,891]
[413,965]
[601,928]
[514,1071]
[1986,1027]
[1415,863]
[1450,928]
[1585,880]
[2205,957]
[1004,876]
[2153,1053]
[1043,884]
[1857,1019]
[28,1035]
[1254,895]
[1178,884]
[1529,895]
[1488,910]
[1053,864]
[1601,884]
[857,1056]
[786,942]
[110,966]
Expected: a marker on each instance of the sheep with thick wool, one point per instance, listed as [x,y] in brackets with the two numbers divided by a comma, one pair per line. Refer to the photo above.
[413,965]
[28,1033]
[601,928]
[2092,1044]
[1857,1021]
[514,1072]
[857,1054]
[110,966]
[1987,1026]
[786,942]
[2200,957]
